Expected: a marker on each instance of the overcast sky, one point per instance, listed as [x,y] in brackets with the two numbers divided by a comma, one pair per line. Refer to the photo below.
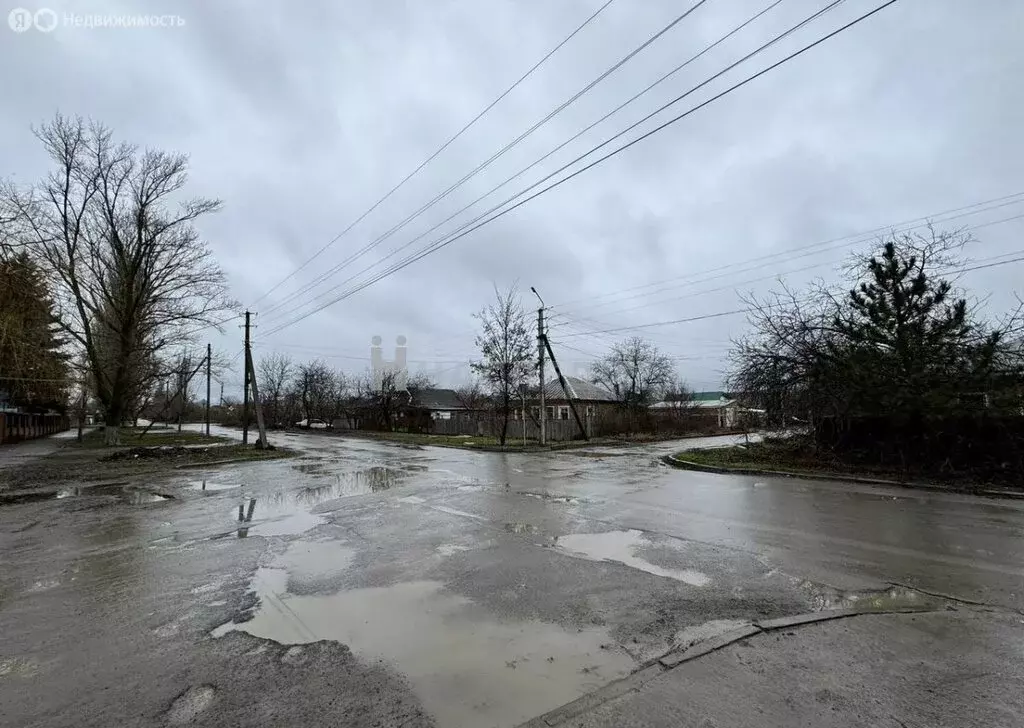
[302,115]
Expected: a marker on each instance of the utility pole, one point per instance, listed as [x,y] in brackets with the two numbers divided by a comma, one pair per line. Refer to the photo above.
[540,354]
[208,356]
[245,395]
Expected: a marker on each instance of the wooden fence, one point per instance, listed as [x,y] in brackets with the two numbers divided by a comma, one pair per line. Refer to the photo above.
[18,426]
[484,426]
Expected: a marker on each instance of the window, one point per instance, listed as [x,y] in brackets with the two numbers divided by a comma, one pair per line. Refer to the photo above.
[563,413]
[550,413]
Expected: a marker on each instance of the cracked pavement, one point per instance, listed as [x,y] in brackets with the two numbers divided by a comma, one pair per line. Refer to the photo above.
[371,584]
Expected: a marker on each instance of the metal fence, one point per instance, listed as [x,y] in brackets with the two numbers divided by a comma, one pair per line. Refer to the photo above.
[18,426]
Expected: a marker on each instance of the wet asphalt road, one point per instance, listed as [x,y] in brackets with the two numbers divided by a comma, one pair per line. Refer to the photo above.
[366,583]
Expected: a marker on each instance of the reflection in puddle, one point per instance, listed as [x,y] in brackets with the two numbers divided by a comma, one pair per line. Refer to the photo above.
[212,486]
[123,493]
[287,513]
[621,547]
[468,668]
[309,560]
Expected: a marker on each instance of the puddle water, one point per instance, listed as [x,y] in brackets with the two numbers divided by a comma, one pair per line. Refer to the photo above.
[287,513]
[468,668]
[212,486]
[119,492]
[282,514]
[315,559]
[621,547]
[123,493]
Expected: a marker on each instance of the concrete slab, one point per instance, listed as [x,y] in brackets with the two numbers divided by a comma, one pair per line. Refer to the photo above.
[866,671]
[703,648]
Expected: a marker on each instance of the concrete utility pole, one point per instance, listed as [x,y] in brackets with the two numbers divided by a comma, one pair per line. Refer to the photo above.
[245,395]
[540,354]
[208,356]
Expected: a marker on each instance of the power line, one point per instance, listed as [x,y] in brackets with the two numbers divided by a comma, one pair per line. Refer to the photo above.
[765,277]
[487,162]
[814,248]
[522,171]
[440,149]
[442,242]
[749,309]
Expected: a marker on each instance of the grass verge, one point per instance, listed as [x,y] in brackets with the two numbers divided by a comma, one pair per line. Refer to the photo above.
[78,463]
[139,437]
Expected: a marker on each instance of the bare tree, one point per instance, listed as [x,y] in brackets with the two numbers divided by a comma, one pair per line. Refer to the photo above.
[472,397]
[131,275]
[507,348]
[635,371]
[274,371]
[315,384]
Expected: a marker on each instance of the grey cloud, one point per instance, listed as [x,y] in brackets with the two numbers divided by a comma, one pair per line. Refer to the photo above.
[300,117]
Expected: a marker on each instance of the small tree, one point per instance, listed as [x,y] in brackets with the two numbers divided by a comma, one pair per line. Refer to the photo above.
[274,372]
[507,348]
[635,371]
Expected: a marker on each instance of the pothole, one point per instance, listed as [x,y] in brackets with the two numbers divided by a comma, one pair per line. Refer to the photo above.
[825,598]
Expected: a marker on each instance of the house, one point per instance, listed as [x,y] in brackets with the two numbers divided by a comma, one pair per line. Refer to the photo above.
[589,399]
[712,404]
[442,404]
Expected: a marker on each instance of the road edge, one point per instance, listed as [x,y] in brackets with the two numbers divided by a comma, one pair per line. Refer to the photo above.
[683,464]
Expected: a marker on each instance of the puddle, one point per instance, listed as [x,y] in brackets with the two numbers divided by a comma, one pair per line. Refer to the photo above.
[278,515]
[315,559]
[467,668]
[621,547]
[121,491]
[824,598]
[212,485]
[288,513]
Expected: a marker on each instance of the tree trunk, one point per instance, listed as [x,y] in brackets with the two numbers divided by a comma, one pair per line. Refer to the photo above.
[112,428]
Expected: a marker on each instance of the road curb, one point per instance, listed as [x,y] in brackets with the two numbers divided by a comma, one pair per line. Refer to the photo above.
[690,465]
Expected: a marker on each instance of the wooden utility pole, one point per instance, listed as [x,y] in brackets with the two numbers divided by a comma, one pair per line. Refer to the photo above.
[540,355]
[565,389]
[245,387]
[208,357]
[250,382]
[262,441]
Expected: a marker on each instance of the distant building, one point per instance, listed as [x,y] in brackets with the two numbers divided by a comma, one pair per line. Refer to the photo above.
[442,404]
[589,399]
[718,404]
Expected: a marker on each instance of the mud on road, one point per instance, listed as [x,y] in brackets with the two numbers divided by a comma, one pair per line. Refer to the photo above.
[368,584]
